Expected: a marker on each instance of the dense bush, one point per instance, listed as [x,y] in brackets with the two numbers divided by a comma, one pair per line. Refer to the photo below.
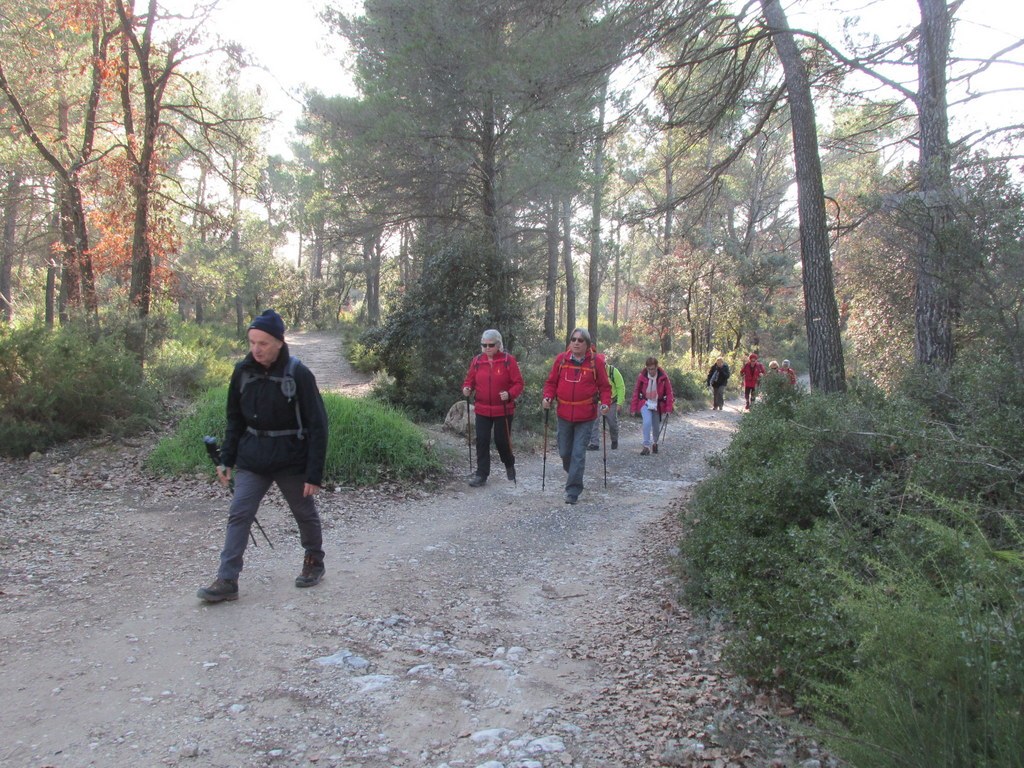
[868,549]
[430,337]
[368,442]
[61,384]
[191,359]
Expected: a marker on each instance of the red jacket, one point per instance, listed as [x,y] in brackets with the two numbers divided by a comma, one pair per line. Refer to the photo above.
[489,376]
[578,386]
[752,372]
[666,402]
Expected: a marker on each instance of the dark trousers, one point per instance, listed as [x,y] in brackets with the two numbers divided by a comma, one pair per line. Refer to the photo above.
[719,397]
[501,426]
[250,489]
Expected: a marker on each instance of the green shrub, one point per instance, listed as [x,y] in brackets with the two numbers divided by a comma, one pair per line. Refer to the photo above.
[937,678]
[184,368]
[368,442]
[184,451]
[61,384]
[869,551]
[371,441]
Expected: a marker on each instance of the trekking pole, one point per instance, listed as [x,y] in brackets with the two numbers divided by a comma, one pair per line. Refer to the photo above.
[544,471]
[604,446]
[469,439]
[213,451]
[508,439]
[664,427]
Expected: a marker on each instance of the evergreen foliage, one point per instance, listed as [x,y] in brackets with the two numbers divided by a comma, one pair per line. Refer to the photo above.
[427,342]
[870,551]
[59,385]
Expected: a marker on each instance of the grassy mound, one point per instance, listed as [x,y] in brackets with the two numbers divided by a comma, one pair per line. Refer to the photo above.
[368,442]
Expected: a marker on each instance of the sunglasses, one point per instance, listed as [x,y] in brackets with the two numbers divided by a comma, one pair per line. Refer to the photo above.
[577,338]
[488,344]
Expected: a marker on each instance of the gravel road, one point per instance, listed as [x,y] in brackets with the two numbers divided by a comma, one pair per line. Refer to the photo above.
[489,628]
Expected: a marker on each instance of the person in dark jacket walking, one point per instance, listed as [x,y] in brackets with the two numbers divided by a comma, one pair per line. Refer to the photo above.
[495,378]
[579,382]
[276,433]
[718,377]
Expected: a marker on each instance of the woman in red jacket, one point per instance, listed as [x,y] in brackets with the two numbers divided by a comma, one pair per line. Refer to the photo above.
[751,372]
[578,380]
[495,378]
[652,397]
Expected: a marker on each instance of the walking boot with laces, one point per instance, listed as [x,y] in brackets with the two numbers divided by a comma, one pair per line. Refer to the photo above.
[312,572]
[510,470]
[476,481]
[219,590]
[654,448]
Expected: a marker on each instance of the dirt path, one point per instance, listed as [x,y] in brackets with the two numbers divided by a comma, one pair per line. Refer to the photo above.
[488,628]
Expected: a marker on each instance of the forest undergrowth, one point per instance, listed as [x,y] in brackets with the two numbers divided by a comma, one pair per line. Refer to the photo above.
[869,550]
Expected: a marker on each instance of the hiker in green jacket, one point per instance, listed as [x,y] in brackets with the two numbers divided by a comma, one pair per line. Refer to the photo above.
[618,398]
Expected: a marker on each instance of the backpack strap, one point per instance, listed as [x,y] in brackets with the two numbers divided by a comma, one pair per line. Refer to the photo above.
[288,389]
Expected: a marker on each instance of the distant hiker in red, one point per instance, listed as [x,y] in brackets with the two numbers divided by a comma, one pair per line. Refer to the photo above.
[495,378]
[751,373]
[579,381]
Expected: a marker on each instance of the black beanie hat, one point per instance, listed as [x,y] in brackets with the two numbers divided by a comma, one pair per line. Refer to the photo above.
[269,322]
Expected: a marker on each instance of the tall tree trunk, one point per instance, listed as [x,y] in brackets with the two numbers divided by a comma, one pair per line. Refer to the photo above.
[821,313]
[596,257]
[12,197]
[570,274]
[51,294]
[499,286]
[666,311]
[550,308]
[936,293]
[618,274]
[371,266]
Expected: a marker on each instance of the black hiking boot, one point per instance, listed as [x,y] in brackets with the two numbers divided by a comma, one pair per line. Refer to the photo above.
[510,470]
[221,589]
[476,481]
[312,571]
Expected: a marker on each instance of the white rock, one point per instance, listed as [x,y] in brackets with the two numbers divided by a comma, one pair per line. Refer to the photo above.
[546,744]
[491,734]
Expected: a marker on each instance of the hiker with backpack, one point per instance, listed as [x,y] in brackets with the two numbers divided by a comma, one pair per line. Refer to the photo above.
[718,378]
[618,398]
[579,382]
[496,382]
[276,433]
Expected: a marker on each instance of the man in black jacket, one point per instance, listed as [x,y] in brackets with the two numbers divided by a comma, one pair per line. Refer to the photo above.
[718,377]
[276,433]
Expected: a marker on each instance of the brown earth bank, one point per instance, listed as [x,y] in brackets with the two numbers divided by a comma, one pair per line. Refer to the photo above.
[494,627]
